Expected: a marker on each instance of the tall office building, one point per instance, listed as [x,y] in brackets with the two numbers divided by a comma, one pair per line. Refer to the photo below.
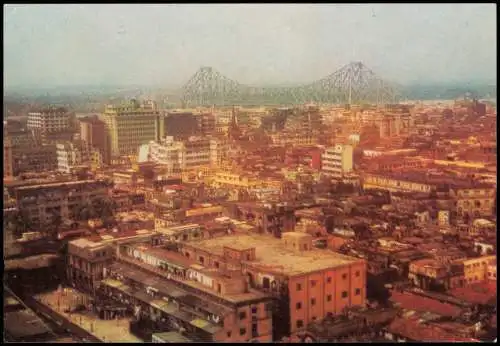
[337,160]
[130,126]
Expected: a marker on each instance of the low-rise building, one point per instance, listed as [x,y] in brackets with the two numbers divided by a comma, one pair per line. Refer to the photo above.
[476,269]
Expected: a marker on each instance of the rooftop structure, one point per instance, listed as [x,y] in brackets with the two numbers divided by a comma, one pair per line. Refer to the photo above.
[272,253]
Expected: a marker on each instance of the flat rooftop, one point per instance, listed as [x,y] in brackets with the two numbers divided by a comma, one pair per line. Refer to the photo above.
[271,252]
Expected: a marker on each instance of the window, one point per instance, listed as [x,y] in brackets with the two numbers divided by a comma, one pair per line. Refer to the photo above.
[255,332]
[358,291]
[344,276]
[329,298]
[357,273]
[299,287]
[313,283]
[313,301]
[300,323]
[328,280]
[344,294]
[201,259]
[216,264]
[266,283]
[254,310]
[298,306]
[243,315]
[229,334]
[243,331]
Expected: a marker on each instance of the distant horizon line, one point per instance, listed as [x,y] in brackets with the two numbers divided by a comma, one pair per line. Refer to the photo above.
[19,88]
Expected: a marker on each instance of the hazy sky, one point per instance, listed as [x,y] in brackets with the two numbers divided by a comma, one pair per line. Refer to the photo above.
[164,45]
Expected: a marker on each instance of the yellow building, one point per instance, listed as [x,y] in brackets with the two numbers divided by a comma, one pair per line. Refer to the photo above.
[476,269]
[131,126]
[236,180]
[371,181]
[475,202]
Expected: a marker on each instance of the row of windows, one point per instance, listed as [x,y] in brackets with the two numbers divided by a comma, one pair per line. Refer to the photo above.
[243,331]
[298,305]
[328,280]
[243,314]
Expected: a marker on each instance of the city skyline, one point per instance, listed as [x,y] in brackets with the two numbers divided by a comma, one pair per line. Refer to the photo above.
[461,39]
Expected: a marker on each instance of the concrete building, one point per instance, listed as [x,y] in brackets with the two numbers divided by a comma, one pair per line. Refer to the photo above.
[207,124]
[130,126]
[337,160]
[70,155]
[172,292]
[52,123]
[34,158]
[308,283]
[183,155]
[93,133]
[44,200]
[180,125]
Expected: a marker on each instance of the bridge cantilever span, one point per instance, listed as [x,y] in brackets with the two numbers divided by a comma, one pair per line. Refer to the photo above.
[353,84]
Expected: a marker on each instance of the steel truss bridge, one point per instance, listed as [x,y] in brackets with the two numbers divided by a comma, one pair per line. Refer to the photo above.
[352,84]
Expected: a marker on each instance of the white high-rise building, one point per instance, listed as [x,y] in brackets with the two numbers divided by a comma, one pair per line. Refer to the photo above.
[70,155]
[179,156]
[337,160]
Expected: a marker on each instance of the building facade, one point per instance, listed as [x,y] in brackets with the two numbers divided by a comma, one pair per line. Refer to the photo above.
[130,126]
[51,122]
[338,160]
[70,155]
[43,201]
[93,133]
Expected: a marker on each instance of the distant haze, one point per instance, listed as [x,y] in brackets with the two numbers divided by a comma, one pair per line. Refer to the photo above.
[164,45]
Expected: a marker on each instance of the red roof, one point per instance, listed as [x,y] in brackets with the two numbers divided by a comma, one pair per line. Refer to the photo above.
[419,303]
[412,329]
[478,293]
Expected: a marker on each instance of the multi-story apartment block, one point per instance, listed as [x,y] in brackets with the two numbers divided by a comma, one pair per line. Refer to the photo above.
[71,154]
[34,158]
[180,156]
[308,284]
[338,160]
[130,126]
[207,124]
[52,121]
[93,133]
[173,292]
[196,153]
[43,201]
